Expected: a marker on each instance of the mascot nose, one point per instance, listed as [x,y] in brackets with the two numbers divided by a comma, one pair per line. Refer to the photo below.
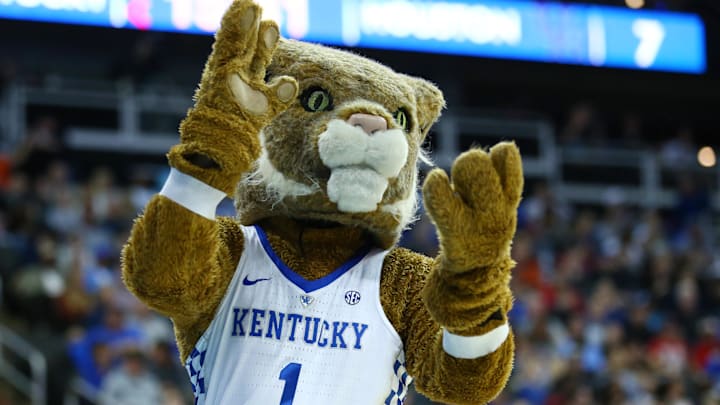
[369,123]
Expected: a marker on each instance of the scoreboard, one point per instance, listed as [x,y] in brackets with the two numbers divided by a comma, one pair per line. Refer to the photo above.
[579,34]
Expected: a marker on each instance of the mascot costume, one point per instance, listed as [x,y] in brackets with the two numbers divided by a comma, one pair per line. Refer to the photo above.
[304,297]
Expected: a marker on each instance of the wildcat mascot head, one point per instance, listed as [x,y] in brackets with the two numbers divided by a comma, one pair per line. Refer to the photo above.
[347,150]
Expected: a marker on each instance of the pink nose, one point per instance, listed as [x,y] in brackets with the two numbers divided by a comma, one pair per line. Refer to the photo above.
[369,123]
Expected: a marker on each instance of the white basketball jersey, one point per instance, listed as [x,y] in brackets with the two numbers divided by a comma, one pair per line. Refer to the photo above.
[278,339]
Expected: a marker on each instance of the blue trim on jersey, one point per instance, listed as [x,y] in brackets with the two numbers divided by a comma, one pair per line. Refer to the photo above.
[307,285]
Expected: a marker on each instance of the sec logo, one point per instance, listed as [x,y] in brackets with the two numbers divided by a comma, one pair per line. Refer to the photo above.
[352,297]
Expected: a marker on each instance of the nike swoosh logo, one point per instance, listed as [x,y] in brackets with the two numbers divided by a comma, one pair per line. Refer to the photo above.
[247,281]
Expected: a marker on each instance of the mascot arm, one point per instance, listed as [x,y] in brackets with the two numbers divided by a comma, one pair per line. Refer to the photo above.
[177,252]
[178,257]
[467,292]
[438,374]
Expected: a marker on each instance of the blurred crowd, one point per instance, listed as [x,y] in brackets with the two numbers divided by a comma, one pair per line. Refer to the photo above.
[614,304]
[61,233]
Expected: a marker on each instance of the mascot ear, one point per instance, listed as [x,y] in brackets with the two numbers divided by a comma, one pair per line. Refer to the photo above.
[430,102]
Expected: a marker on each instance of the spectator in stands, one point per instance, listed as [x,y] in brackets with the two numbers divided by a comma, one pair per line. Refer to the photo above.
[35,286]
[75,305]
[131,383]
[705,355]
[142,188]
[107,205]
[679,151]
[40,146]
[104,344]
[583,127]
[631,132]
[63,213]
[168,370]
[143,61]
[5,169]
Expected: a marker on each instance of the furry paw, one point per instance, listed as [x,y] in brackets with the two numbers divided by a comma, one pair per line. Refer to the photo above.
[219,136]
[243,49]
[476,212]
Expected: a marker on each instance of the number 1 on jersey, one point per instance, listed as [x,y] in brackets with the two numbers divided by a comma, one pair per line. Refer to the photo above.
[289,374]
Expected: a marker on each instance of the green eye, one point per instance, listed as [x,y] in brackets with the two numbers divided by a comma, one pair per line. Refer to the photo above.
[401,118]
[316,99]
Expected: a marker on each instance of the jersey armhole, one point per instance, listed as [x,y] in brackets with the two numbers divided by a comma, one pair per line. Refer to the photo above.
[380,256]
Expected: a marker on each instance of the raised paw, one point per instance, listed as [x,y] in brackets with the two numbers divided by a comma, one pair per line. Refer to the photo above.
[219,137]
[475,210]
[243,48]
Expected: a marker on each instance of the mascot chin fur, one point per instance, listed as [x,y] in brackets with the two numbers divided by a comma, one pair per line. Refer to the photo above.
[304,298]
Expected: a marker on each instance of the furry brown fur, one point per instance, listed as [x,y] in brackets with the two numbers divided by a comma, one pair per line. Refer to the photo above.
[243,126]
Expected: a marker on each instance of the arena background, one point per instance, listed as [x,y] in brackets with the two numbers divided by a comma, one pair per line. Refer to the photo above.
[618,278]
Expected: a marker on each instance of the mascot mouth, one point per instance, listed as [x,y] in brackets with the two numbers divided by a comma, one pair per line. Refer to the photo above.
[356,189]
[361,165]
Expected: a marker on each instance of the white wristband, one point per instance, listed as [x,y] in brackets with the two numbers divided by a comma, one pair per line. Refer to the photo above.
[472,347]
[192,194]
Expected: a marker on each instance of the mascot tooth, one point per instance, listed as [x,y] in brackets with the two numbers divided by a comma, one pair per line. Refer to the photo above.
[304,297]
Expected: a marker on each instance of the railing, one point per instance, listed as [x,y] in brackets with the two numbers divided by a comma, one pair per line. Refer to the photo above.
[635,175]
[33,386]
[122,98]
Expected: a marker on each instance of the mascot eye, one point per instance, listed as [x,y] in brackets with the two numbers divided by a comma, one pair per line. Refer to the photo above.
[401,118]
[316,99]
